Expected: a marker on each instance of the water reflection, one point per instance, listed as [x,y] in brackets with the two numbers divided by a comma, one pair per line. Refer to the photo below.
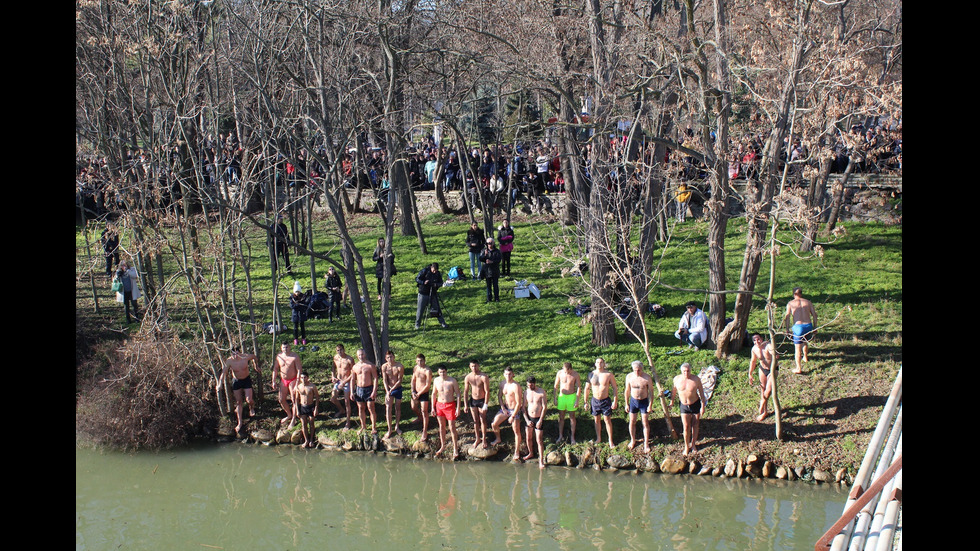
[284,498]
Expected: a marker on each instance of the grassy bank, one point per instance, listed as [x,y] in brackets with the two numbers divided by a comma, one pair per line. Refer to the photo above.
[830,410]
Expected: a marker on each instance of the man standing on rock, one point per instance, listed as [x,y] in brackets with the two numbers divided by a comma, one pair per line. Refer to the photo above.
[392,373]
[365,391]
[637,390]
[603,385]
[690,393]
[306,401]
[476,386]
[421,386]
[445,391]
[567,386]
[240,367]
[763,355]
[342,363]
[804,318]
[537,407]
[511,407]
[287,366]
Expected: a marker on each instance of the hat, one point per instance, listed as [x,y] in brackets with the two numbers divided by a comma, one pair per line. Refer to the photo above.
[297,288]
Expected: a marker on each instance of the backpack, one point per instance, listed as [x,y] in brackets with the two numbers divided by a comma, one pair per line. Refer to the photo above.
[453,273]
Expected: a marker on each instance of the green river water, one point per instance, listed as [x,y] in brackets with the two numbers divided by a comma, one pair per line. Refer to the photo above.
[251,497]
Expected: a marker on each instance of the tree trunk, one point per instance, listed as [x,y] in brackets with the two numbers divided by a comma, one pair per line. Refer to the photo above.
[838,194]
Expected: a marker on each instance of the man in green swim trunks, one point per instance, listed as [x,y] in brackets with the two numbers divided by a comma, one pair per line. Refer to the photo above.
[567,386]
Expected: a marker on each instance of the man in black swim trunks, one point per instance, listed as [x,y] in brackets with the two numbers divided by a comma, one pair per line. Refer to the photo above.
[476,387]
[534,412]
[306,401]
[239,364]
[603,402]
[690,393]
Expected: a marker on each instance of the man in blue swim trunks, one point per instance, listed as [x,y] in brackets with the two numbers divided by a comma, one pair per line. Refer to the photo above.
[636,395]
[392,373]
[604,399]
[804,318]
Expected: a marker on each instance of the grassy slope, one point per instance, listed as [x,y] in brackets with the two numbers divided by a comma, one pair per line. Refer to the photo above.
[830,410]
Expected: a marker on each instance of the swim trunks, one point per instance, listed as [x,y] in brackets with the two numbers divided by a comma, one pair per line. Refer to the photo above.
[763,371]
[532,422]
[691,409]
[289,382]
[639,406]
[306,411]
[338,388]
[242,384]
[396,393]
[424,397]
[507,412]
[362,394]
[566,402]
[602,407]
[801,332]
[447,410]
[474,403]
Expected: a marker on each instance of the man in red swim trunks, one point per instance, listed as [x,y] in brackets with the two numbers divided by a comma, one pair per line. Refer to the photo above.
[445,394]
[287,366]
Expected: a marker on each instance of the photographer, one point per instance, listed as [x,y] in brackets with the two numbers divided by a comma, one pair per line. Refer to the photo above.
[429,281]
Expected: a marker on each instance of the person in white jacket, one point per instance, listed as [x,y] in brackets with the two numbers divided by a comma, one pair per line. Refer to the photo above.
[693,327]
[131,291]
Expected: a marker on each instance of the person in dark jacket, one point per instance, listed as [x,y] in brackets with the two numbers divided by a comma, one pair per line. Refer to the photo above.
[379,258]
[300,305]
[429,280]
[474,241]
[334,286]
[490,258]
[279,237]
[110,247]
[505,235]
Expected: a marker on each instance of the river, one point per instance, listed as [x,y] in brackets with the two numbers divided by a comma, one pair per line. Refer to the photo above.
[239,496]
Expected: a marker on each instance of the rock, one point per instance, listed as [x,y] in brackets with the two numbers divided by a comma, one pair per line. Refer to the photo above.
[782,473]
[588,456]
[296,438]
[739,469]
[767,469]
[571,459]
[800,472]
[422,446]
[618,461]
[283,437]
[395,443]
[261,435]
[753,470]
[717,471]
[693,466]
[752,459]
[554,458]
[348,445]
[791,474]
[646,464]
[730,468]
[706,470]
[821,475]
[673,465]
[841,475]
[481,453]
[327,442]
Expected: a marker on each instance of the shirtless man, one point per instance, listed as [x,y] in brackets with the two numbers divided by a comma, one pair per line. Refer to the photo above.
[688,389]
[287,366]
[476,386]
[602,382]
[537,407]
[364,376]
[511,402]
[637,390]
[306,402]
[239,364]
[392,373]
[342,364]
[804,318]
[421,386]
[567,386]
[763,355]
[445,390]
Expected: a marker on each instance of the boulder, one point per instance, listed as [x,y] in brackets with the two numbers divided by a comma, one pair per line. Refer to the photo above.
[554,458]
[480,452]
[422,446]
[647,464]
[673,465]
[821,475]
[693,466]
[618,461]
[571,459]
[395,443]
[706,470]
[261,435]
[767,469]
[296,437]
[782,473]
[730,468]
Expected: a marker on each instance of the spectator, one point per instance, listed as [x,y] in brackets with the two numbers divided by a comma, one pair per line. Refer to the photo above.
[110,247]
[490,258]
[334,288]
[693,327]
[380,257]
[130,292]
[505,235]
[299,303]
[474,240]
[429,280]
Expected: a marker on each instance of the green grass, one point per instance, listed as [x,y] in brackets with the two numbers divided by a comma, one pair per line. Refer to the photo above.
[856,286]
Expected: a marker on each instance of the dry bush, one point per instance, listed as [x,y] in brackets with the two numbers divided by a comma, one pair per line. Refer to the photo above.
[152,395]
